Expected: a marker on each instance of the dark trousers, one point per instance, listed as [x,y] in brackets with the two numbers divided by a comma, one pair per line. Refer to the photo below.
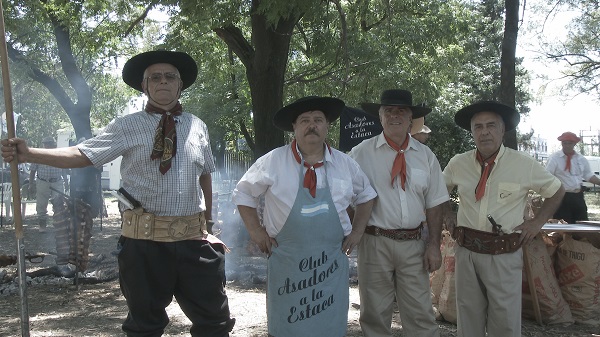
[193,271]
[572,208]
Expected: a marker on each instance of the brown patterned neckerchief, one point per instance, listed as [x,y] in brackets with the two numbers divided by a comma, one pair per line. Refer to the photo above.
[165,136]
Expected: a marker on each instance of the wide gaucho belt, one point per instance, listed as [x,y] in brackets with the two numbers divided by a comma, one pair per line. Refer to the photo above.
[395,234]
[147,226]
[486,242]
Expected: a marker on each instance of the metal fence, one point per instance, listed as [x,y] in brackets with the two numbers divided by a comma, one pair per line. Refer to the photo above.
[234,167]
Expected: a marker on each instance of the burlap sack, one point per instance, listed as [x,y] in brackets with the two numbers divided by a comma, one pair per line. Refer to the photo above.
[447,297]
[436,279]
[578,270]
[554,309]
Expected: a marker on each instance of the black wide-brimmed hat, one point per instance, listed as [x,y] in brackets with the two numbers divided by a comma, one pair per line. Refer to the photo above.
[133,71]
[509,115]
[331,107]
[396,97]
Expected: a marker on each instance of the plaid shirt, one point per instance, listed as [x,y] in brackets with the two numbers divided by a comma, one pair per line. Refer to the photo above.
[176,193]
[47,173]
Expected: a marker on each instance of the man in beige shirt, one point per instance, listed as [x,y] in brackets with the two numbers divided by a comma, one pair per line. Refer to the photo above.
[493,182]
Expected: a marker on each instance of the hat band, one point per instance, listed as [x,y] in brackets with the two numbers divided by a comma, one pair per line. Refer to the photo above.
[395,102]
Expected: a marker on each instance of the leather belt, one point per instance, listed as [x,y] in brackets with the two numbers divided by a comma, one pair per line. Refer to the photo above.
[486,242]
[138,224]
[51,180]
[395,234]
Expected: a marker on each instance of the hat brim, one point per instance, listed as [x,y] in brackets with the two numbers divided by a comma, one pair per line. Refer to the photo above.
[133,71]
[417,111]
[286,116]
[509,115]
[566,137]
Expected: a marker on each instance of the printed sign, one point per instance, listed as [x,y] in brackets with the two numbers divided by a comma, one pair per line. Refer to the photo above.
[355,126]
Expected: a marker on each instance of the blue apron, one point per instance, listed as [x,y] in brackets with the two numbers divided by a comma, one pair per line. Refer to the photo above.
[307,285]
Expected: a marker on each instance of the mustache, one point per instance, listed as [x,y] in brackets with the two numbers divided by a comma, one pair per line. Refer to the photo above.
[311,131]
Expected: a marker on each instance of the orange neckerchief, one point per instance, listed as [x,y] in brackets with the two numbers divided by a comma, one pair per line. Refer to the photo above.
[399,166]
[486,169]
[568,165]
[310,177]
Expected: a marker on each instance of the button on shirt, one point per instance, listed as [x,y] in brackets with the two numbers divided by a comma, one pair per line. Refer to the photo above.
[178,192]
[513,175]
[276,175]
[580,170]
[396,208]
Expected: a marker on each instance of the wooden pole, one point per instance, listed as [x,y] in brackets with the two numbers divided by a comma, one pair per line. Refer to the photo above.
[14,177]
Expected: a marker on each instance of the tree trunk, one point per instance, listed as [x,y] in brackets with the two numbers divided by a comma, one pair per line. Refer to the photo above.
[265,61]
[507,64]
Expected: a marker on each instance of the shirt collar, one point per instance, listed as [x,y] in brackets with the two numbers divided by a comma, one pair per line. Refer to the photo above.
[381,142]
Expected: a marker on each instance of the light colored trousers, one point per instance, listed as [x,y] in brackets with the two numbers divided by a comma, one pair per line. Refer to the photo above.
[43,193]
[488,293]
[386,269]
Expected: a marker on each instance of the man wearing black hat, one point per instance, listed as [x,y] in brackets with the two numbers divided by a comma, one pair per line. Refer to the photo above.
[492,183]
[305,230]
[571,168]
[166,170]
[393,261]
[47,179]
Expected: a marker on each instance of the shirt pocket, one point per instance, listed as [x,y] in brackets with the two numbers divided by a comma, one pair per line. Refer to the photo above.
[507,192]
[418,179]
[341,192]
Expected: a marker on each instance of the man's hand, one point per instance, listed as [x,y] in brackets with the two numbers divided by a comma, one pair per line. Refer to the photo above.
[450,221]
[260,236]
[350,242]
[432,259]
[529,229]
[14,148]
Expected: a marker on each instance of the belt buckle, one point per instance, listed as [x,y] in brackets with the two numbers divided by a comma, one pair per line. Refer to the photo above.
[377,233]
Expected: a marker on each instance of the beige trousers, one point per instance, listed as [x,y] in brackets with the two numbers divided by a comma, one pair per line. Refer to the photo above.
[488,293]
[388,269]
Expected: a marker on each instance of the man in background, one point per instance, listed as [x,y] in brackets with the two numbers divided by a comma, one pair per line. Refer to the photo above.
[571,168]
[419,130]
[48,180]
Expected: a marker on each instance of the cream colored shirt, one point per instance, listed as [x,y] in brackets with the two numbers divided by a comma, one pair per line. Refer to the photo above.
[513,175]
[394,207]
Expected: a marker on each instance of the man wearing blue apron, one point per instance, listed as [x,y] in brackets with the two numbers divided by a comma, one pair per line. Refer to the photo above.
[305,229]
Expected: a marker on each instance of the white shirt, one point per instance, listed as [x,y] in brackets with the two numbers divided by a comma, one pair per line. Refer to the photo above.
[276,176]
[580,170]
[396,208]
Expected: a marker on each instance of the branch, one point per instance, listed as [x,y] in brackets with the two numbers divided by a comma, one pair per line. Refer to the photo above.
[247,135]
[140,18]
[234,38]
[39,76]
[67,60]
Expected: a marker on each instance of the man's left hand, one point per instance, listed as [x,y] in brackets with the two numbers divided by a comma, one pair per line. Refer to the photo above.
[350,242]
[432,260]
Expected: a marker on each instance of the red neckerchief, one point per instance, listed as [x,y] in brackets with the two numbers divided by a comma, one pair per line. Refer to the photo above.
[310,177]
[486,170]
[568,165]
[165,136]
[399,166]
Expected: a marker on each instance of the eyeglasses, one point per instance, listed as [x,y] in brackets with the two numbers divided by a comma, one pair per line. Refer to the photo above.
[157,77]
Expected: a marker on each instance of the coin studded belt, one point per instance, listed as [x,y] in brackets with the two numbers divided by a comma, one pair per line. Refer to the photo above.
[138,224]
[395,234]
[486,242]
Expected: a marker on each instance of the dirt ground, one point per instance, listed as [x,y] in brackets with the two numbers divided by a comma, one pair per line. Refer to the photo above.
[95,307]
